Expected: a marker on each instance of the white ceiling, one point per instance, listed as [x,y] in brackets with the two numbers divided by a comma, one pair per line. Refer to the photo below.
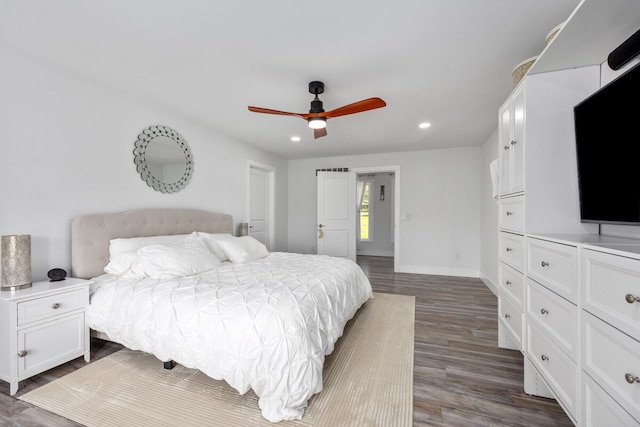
[443,61]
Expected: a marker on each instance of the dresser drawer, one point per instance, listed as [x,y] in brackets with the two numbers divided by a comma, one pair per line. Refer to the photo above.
[512,283]
[553,265]
[558,370]
[608,279]
[599,409]
[511,214]
[512,250]
[556,316]
[608,357]
[511,316]
[52,305]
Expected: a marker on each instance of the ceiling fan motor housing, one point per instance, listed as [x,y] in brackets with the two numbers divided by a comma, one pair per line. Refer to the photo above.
[316,87]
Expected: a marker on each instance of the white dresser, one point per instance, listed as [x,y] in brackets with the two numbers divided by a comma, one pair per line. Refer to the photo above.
[582,326]
[42,327]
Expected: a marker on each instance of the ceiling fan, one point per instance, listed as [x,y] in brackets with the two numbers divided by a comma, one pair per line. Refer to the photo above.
[317,117]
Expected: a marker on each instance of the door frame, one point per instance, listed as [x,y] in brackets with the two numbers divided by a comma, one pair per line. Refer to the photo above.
[270,200]
[396,205]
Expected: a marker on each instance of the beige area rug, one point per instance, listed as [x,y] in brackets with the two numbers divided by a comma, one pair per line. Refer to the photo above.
[368,381]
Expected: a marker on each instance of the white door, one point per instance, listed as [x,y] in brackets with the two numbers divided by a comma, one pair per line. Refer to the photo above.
[258,204]
[336,217]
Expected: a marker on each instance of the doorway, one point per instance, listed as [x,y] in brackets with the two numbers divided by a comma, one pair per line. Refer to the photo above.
[261,202]
[382,212]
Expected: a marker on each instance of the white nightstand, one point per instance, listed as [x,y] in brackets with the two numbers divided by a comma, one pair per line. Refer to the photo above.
[42,327]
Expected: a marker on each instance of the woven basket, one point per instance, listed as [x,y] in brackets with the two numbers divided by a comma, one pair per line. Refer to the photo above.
[554,31]
[521,69]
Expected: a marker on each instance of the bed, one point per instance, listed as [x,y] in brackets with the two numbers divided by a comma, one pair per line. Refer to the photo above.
[257,319]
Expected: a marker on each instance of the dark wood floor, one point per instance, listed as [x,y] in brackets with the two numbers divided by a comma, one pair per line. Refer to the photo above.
[461,377]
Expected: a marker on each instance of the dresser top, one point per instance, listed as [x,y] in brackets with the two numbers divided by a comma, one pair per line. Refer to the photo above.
[622,246]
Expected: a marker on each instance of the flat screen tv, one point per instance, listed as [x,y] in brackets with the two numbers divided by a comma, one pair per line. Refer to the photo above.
[607,131]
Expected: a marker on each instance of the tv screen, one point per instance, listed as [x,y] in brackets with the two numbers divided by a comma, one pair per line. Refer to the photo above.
[607,130]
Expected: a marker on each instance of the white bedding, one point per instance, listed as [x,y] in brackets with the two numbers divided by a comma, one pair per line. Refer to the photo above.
[265,324]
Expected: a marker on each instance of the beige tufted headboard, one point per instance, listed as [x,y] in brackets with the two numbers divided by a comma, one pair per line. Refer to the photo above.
[91,234]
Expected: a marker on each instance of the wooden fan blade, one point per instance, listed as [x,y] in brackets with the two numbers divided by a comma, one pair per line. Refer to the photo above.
[319,133]
[356,107]
[278,112]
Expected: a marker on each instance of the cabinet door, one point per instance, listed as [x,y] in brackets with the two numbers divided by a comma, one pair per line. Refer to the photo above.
[50,344]
[511,121]
[516,144]
[504,131]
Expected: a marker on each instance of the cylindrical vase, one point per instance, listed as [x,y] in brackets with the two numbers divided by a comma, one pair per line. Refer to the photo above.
[16,262]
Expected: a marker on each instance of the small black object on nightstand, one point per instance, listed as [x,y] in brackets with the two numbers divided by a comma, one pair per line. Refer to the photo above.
[56,274]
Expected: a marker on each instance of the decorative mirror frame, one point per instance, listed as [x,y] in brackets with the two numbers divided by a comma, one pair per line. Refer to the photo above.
[140,161]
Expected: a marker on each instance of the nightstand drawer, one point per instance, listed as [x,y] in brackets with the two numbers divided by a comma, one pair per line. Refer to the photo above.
[53,305]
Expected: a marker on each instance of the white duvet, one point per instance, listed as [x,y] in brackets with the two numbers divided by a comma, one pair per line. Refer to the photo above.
[265,324]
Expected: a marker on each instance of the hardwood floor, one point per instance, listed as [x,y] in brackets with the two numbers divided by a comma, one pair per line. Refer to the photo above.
[461,377]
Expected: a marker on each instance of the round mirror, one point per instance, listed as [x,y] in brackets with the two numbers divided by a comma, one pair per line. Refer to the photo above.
[163,159]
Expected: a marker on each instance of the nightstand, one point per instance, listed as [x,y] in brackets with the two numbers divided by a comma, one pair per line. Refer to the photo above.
[42,327]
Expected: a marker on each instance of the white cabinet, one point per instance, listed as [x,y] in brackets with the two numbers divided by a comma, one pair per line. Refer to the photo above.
[42,327]
[511,118]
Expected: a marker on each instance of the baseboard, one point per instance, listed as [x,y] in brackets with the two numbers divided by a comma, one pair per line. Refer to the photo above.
[489,283]
[375,253]
[439,271]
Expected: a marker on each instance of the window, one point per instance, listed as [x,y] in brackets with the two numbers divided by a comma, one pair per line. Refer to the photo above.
[365,208]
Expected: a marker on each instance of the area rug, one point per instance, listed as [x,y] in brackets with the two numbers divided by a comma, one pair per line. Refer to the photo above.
[368,381]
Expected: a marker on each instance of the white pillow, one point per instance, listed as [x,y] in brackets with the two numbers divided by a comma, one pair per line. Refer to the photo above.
[181,258]
[121,264]
[243,249]
[123,245]
[211,240]
[184,257]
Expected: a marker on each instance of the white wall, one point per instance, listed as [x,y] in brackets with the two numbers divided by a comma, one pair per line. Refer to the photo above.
[489,251]
[440,189]
[66,150]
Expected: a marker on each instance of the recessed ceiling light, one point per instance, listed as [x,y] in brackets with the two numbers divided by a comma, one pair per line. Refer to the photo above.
[424,125]
[295,138]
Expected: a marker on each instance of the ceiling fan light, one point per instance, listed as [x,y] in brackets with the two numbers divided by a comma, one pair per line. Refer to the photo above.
[317,123]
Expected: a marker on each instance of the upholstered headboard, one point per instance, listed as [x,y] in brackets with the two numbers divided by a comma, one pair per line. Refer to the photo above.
[91,234]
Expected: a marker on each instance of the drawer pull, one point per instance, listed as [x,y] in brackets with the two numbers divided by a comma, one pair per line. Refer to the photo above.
[508,282]
[631,379]
[506,147]
[544,357]
[23,353]
[507,316]
[544,311]
[544,264]
[508,249]
[55,305]
[513,142]
[631,299]
[509,213]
